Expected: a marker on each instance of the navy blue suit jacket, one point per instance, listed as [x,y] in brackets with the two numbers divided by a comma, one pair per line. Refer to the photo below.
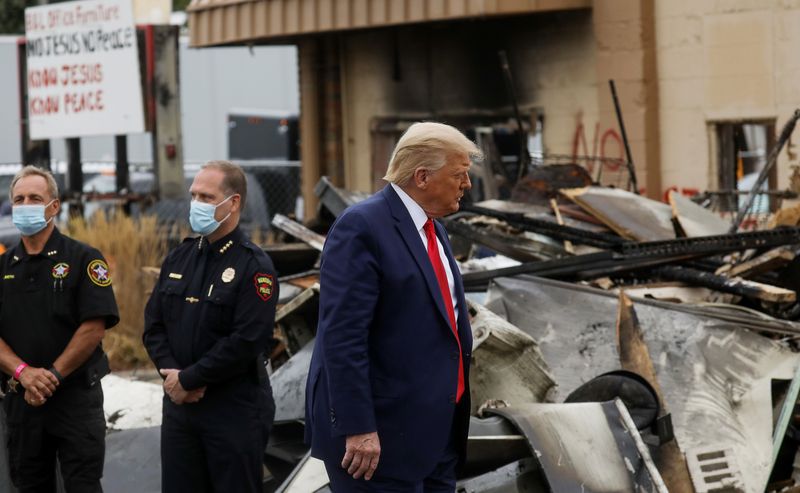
[386,358]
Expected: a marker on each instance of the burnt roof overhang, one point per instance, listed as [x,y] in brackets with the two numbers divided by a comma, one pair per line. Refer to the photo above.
[236,22]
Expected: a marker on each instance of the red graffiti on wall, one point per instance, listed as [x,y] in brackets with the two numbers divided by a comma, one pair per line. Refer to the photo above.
[686,192]
[608,151]
[607,148]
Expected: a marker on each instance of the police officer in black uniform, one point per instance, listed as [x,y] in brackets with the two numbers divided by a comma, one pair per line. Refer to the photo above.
[56,303]
[208,323]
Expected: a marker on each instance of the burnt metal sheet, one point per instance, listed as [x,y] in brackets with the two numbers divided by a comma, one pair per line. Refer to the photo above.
[493,234]
[632,216]
[544,182]
[297,319]
[492,443]
[716,377]
[308,477]
[299,231]
[507,363]
[694,219]
[336,199]
[589,447]
[289,386]
[522,476]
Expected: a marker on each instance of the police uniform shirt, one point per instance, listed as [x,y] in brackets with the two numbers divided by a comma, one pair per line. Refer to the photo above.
[212,311]
[46,296]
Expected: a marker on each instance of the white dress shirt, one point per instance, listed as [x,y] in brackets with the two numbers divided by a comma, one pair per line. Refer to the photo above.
[419,218]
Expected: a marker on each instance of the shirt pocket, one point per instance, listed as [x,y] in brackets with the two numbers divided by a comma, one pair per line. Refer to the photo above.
[218,312]
[171,292]
[65,299]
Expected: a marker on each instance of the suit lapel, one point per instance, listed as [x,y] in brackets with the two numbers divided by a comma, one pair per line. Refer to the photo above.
[410,235]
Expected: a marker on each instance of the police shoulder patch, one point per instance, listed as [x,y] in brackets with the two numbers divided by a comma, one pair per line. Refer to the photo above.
[264,285]
[98,273]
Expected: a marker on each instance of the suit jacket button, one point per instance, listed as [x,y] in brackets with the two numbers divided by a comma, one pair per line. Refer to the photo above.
[452,398]
[454,356]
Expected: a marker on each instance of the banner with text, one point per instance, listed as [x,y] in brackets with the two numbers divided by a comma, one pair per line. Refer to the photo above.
[83,70]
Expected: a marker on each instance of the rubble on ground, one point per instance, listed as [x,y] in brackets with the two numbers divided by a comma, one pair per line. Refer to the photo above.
[621,343]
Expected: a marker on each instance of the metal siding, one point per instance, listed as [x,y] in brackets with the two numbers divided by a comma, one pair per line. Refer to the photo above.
[214,22]
[457,8]
[342,14]
[379,12]
[325,15]
[476,7]
[260,19]
[276,23]
[436,9]
[416,11]
[293,17]
[309,15]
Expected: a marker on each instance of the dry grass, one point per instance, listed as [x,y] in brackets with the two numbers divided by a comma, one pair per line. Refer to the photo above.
[128,245]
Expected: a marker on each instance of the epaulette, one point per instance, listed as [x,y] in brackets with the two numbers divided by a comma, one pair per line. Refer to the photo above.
[249,245]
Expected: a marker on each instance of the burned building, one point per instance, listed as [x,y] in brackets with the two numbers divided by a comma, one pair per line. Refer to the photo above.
[702,84]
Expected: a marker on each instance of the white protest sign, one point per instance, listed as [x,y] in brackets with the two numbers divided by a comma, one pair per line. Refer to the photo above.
[83,70]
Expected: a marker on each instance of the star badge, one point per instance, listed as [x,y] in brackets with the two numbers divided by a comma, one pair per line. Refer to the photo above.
[60,270]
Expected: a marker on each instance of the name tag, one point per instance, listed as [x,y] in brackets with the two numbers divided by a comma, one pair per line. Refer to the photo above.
[173,275]
[8,276]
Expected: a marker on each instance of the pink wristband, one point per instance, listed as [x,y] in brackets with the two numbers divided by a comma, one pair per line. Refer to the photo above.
[19,369]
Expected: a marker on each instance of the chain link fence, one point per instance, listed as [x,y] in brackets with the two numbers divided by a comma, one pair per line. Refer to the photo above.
[273,188]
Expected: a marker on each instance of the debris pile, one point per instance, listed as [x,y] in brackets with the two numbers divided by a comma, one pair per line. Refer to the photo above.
[620,343]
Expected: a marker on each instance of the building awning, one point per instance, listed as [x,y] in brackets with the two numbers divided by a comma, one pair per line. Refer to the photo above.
[226,22]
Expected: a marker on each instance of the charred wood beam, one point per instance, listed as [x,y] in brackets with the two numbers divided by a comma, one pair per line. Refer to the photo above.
[298,231]
[634,356]
[740,287]
[515,247]
[633,256]
[700,246]
[771,260]
[713,245]
[551,229]
[588,266]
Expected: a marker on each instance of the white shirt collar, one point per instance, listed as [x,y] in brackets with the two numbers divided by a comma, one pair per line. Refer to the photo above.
[418,215]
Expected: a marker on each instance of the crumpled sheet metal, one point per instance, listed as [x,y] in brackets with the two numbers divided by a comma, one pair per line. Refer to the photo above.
[507,363]
[715,376]
[508,366]
[289,386]
[587,447]
[632,216]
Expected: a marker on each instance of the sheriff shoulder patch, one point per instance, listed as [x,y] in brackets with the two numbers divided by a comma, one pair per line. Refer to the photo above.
[98,273]
[264,284]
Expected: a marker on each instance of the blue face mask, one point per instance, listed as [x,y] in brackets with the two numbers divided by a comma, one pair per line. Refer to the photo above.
[29,219]
[201,217]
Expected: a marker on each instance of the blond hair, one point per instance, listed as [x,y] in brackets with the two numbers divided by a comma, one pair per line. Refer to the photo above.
[427,145]
[30,170]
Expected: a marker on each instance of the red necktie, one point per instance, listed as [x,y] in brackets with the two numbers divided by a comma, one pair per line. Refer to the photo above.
[444,287]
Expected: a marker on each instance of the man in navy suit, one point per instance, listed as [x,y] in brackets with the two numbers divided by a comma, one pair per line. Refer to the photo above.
[387,398]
